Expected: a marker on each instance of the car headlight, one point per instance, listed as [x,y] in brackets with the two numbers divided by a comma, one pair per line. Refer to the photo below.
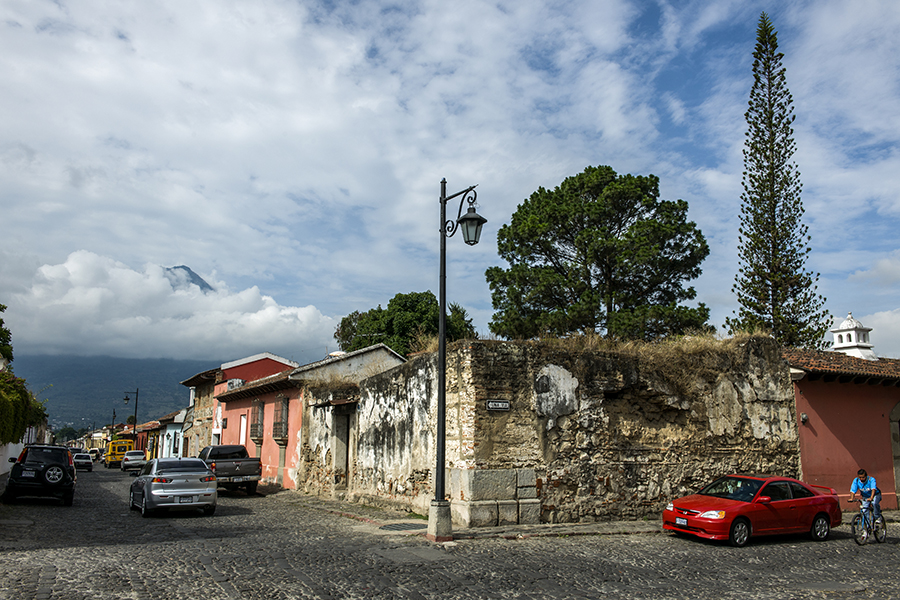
[670,506]
[713,514]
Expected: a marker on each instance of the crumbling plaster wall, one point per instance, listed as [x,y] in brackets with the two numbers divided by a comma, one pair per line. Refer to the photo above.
[314,471]
[393,458]
[316,446]
[587,436]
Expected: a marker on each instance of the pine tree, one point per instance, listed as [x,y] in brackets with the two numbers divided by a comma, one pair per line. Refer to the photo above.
[599,253]
[773,287]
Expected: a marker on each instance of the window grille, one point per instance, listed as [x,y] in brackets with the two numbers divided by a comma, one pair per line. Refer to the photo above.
[280,422]
[256,419]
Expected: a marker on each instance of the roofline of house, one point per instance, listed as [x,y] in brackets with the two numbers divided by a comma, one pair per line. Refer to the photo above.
[333,359]
[263,385]
[260,356]
[194,380]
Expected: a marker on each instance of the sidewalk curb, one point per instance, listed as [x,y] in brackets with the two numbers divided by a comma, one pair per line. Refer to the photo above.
[511,532]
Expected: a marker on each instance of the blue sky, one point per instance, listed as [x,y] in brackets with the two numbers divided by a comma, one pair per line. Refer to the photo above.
[291,154]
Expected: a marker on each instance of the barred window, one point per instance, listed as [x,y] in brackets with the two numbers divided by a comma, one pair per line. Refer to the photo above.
[256,418]
[280,421]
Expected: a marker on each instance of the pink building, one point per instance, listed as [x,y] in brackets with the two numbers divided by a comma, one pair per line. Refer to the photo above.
[848,407]
[264,415]
[231,425]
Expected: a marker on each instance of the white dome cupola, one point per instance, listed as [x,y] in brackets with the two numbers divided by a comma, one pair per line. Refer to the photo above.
[851,338]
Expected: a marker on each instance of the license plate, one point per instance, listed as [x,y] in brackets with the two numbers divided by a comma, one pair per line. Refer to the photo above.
[185,499]
[238,479]
[680,521]
[27,473]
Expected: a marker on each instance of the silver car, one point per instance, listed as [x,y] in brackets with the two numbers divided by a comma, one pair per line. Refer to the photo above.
[174,484]
[133,460]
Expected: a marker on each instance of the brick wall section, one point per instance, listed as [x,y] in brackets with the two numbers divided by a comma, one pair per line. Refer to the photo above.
[588,436]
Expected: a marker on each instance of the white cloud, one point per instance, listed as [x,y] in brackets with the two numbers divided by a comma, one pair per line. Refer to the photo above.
[94,305]
[885,336]
[884,272]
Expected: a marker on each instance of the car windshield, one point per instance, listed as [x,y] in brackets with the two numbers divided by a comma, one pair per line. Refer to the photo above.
[733,488]
[189,466]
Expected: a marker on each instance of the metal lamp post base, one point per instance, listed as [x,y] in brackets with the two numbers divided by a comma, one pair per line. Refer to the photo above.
[440,525]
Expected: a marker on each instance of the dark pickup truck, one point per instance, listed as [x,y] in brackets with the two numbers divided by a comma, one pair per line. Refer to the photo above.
[233,467]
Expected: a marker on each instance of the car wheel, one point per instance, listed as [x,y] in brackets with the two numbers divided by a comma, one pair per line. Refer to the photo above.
[145,511]
[740,533]
[208,511]
[880,530]
[251,488]
[820,528]
[54,474]
[131,503]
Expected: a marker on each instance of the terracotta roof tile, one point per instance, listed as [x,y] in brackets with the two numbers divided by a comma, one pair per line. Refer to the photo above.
[838,363]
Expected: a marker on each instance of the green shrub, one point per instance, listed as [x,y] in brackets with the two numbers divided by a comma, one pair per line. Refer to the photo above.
[19,409]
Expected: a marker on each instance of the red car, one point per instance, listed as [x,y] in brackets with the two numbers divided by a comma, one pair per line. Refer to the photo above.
[736,507]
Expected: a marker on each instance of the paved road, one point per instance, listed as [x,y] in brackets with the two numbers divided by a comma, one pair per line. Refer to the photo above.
[285,546]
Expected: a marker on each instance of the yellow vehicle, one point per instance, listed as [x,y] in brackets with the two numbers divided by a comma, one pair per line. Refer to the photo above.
[115,451]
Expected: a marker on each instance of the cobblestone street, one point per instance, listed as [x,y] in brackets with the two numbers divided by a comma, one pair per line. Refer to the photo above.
[285,545]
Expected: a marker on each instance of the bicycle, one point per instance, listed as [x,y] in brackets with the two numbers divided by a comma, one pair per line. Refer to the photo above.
[865,525]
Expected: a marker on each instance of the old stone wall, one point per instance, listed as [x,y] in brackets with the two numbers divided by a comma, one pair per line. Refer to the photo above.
[618,435]
[315,469]
[323,438]
[538,432]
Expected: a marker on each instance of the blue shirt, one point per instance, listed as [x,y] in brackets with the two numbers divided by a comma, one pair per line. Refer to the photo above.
[866,488]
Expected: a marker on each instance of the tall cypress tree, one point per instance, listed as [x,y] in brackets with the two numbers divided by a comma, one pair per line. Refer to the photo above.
[773,287]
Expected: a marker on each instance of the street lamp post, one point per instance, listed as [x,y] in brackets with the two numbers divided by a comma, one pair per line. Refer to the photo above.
[134,427]
[440,524]
[112,426]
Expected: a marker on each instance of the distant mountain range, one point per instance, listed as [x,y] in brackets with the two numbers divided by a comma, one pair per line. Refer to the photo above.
[84,391]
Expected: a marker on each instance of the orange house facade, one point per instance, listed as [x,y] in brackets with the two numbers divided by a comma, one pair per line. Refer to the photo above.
[848,408]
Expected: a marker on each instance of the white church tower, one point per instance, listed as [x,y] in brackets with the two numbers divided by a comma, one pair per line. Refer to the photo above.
[852,339]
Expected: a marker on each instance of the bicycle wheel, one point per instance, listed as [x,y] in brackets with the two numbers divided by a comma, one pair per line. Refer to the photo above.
[880,530]
[858,529]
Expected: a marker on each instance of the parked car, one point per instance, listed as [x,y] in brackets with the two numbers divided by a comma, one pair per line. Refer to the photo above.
[84,461]
[133,460]
[42,470]
[738,507]
[233,466]
[173,484]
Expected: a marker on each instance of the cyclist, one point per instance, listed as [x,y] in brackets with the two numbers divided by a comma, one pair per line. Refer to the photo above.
[865,488]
